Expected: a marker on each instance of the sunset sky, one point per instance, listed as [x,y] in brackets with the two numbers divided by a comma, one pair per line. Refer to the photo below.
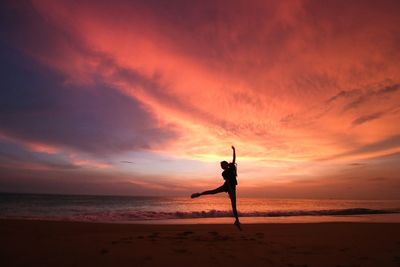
[146,97]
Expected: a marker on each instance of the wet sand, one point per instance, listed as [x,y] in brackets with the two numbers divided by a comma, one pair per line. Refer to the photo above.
[50,243]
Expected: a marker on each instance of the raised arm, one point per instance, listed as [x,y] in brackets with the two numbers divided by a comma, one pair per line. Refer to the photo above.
[234,155]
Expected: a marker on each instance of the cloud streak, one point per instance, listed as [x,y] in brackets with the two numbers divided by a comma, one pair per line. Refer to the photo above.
[367,118]
[289,82]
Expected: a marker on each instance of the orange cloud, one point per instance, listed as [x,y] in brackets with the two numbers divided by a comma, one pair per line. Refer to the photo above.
[292,84]
[239,87]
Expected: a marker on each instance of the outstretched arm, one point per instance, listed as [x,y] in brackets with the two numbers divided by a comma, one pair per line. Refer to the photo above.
[234,155]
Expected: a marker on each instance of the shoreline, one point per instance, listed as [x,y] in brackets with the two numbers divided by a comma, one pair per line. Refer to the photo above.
[362,218]
[61,243]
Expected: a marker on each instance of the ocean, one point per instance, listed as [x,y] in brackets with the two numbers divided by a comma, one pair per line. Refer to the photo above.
[206,209]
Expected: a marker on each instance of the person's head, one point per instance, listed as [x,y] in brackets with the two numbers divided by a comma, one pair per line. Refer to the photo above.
[224,165]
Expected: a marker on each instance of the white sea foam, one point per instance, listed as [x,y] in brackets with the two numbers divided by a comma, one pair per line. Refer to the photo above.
[131,209]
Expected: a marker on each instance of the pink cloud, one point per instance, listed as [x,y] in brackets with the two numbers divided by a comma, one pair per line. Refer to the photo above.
[292,82]
[239,84]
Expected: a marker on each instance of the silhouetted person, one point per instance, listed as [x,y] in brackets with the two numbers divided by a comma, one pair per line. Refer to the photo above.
[229,174]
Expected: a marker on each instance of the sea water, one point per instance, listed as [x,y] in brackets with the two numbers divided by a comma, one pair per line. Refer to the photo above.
[206,209]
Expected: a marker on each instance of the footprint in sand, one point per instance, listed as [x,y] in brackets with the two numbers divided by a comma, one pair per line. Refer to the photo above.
[222,238]
[186,233]
[103,251]
[260,235]
[154,235]
[183,235]
[123,240]
[180,250]
[126,240]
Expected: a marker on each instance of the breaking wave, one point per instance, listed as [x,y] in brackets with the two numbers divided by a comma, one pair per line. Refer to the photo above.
[154,215]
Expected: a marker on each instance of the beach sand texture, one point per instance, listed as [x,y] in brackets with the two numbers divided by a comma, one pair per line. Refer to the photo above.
[51,243]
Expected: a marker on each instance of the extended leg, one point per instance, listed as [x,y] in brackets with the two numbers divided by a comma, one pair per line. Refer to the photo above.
[209,192]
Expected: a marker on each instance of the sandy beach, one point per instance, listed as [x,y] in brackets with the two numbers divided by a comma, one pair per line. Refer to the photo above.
[51,243]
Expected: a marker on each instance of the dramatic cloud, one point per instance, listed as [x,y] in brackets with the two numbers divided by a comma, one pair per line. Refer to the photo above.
[293,84]
[37,105]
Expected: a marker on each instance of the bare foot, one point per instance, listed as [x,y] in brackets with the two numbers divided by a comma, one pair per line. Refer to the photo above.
[237,224]
[195,195]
